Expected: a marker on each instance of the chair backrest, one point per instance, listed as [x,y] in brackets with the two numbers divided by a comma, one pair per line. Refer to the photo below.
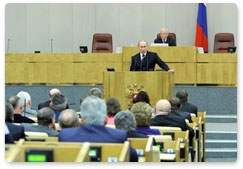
[222,41]
[144,146]
[163,129]
[102,43]
[171,35]
[78,152]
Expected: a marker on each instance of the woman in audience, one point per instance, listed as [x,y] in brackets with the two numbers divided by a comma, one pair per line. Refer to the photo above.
[143,112]
[113,107]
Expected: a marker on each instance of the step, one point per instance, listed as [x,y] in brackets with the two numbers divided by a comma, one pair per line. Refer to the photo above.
[221,126]
[221,118]
[221,159]
[215,143]
[221,152]
[221,135]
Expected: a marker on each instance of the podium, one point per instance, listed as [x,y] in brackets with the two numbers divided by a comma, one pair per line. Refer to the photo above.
[122,85]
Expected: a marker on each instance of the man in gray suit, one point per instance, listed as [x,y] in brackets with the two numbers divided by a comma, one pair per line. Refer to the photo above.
[46,123]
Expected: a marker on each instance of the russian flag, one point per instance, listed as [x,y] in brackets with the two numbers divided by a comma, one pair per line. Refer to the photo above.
[202,28]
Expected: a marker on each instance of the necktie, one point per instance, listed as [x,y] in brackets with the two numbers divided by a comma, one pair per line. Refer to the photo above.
[143,56]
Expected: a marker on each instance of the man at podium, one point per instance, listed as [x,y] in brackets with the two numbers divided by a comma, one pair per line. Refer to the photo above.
[146,61]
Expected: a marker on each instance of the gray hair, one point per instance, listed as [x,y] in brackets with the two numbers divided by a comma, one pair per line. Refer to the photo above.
[125,120]
[93,110]
[95,91]
[68,118]
[24,96]
[15,101]
[8,112]
[45,116]
[59,102]
[113,106]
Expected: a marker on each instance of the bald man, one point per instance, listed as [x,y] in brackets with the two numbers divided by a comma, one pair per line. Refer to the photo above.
[163,118]
[68,118]
[52,92]
[164,38]
[146,61]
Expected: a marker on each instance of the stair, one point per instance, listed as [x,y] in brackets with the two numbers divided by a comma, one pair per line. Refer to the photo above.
[221,138]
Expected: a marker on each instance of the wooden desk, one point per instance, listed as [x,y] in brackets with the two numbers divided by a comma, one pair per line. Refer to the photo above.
[87,68]
[60,68]
[217,68]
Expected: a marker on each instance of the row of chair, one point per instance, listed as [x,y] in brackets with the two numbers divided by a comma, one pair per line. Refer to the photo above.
[102,42]
[172,145]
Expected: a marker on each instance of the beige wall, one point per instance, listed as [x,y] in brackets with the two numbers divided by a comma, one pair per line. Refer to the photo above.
[30,27]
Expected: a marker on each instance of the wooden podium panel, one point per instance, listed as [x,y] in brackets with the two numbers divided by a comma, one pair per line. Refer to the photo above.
[217,68]
[121,85]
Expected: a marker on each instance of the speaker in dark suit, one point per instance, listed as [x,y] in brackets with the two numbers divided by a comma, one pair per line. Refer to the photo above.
[146,61]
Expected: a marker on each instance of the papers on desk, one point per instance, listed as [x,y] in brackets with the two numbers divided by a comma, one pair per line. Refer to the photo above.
[167,157]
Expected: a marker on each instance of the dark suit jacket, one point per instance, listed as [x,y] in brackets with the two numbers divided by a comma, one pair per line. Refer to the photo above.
[164,120]
[180,113]
[46,104]
[170,41]
[188,107]
[97,134]
[16,131]
[40,128]
[148,63]
[22,119]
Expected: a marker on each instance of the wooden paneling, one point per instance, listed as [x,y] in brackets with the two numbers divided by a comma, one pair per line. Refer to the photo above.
[88,68]
[159,85]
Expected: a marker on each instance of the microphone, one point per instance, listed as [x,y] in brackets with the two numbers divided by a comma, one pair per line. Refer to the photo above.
[135,64]
[8,45]
[147,62]
[51,45]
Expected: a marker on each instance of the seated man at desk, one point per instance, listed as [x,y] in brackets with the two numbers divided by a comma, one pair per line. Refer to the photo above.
[164,38]
[146,61]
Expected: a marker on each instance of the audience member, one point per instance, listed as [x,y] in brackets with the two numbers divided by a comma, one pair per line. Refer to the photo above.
[162,118]
[94,115]
[186,106]
[18,109]
[58,104]
[68,118]
[95,92]
[52,92]
[8,137]
[143,96]
[113,107]
[142,112]
[26,101]
[145,60]
[125,120]
[176,109]
[46,123]
[16,131]
[164,38]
